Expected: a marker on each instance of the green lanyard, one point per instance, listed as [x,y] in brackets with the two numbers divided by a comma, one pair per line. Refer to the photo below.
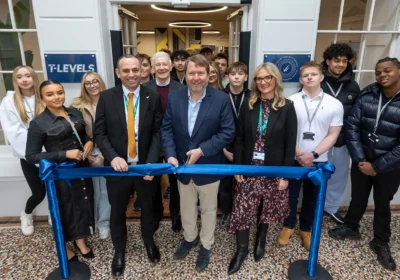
[264,124]
[126,101]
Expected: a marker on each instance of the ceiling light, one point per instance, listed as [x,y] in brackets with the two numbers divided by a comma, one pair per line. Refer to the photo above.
[145,32]
[190,24]
[210,32]
[190,10]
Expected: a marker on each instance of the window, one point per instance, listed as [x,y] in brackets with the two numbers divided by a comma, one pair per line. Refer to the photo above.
[18,43]
[127,21]
[370,27]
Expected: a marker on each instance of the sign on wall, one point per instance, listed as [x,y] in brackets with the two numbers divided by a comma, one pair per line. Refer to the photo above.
[288,64]
[69,68]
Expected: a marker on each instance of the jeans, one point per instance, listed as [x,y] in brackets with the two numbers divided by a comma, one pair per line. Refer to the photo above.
[102,207]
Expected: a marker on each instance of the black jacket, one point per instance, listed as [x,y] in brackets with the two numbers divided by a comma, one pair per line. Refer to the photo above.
[384,155]
[281,135]
[347,96]
[110,128]
[174,76]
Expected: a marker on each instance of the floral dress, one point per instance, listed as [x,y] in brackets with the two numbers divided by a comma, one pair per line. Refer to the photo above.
[249,194]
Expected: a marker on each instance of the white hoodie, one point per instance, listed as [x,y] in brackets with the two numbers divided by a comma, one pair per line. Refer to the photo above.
[15,131]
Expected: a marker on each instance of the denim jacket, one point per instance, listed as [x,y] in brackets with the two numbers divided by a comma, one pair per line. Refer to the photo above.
[56,135]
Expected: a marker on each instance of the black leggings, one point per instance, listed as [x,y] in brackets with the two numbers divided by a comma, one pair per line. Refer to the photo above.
[31,173]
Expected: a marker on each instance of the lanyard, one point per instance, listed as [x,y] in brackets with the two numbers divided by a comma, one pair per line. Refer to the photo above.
[75,131]
[338,91]
[315,112]
[126,101]
[234,107]
[381,109]
[262,124]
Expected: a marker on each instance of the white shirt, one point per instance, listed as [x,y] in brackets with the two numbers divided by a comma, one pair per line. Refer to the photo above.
[135,99]
[15,131]
[330,113]
[164,84]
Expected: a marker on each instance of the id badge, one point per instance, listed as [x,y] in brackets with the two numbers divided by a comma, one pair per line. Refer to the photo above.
[259,156]
[308,136]
[373,138]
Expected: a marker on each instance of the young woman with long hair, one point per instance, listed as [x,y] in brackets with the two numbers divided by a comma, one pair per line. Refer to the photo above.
[215,79]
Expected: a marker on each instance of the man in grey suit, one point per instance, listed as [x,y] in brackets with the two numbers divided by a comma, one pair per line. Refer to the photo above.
[164,85]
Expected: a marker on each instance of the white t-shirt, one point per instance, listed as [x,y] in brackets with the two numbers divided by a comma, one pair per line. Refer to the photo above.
[330,113]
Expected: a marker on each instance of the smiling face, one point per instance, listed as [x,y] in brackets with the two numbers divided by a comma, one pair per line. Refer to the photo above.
[129,72]
[53,96]
[265,81]
[24,79]
[146,68]
[213,76]
[311,77]
[337,65]
[196,78]
[179,63]
[162,68]
[92,85]
[387,74]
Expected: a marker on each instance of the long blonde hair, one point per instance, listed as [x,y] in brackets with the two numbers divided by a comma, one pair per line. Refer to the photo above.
[279,99]
[83,101]
[219,78]
[18,96]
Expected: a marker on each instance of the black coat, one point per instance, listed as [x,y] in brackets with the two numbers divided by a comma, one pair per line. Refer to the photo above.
[110,130]
[281,135]
[347,96]
[384,155]
[174,76]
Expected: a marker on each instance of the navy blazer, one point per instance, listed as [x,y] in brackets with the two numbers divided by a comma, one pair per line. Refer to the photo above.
[213,130]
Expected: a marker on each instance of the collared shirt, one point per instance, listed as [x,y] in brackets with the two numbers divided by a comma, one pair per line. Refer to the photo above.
[193,111]
[135,99]
[330,113]
[164,84]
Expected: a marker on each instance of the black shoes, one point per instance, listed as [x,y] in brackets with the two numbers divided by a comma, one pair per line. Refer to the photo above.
[74,259]
[203,259]
[153,253]
[261,236]
[184,248]
[384,255]
[118,264]
[240,256]
[336,217]
[88,255]
[342,232]
[176,224]
[224,221]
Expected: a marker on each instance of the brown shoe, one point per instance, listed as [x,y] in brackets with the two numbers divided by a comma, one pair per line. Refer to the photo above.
[284,235]
[306,237]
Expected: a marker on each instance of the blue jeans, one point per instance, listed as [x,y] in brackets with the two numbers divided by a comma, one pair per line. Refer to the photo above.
[102,208]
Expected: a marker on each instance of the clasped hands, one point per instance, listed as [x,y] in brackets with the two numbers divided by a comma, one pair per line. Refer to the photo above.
[304,159]
[77,154]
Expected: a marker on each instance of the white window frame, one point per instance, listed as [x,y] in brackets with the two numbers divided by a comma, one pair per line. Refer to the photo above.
[363,33]
[19,31]
[128,23]
[235,25]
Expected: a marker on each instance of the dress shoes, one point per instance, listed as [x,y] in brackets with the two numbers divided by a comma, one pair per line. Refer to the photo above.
[118,264]
[153,252]
[176,224]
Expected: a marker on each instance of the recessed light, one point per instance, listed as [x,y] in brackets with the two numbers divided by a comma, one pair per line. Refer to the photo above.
[190,10]
[145,32]
[190,24]
[210,32]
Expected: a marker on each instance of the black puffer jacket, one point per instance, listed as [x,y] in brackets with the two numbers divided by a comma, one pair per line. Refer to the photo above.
[384,155]
[347,95]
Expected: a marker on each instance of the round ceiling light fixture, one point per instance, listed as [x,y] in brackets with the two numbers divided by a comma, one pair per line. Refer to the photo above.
[190,24]
[190,10]
[145,32]
[211,32]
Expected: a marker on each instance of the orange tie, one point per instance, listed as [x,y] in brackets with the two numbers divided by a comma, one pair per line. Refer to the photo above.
[131,128]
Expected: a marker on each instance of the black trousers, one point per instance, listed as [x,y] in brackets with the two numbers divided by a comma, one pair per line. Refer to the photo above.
[385,186]
[174,199]
[225,194]
[119,191]
[31,173]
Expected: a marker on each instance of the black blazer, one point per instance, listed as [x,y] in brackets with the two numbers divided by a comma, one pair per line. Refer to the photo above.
[173,85]
[110,130]
[281,135]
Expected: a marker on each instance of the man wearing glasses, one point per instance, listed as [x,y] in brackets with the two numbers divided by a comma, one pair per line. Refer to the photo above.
[178,59]
[198,124]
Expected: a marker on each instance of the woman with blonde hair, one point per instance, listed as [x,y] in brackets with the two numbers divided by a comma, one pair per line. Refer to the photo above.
[91,86]
[215,79]
[266,135]
[17,109]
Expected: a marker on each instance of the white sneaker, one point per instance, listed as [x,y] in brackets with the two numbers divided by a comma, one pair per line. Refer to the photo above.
[49,220]
[26,224]
[104,232]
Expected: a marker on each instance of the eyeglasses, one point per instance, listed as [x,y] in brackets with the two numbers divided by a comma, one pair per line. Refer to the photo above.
[94,82]
[266,79]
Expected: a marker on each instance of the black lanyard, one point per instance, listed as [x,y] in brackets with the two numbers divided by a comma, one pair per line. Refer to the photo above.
[234,105]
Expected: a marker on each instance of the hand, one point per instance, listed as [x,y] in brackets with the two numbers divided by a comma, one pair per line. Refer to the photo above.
[282,184]
[173,161]
[147,177]
[87,149]
[305,159]
[74,154]
[194,155]
[96,161]
[239,178]
[228,155]
[119,164]
[366,168]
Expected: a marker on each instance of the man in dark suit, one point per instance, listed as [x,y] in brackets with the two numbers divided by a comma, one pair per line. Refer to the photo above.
[127,131]
[164,85]
[198,124]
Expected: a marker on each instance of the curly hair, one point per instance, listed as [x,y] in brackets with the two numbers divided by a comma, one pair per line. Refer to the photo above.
[395,61]
[336,50]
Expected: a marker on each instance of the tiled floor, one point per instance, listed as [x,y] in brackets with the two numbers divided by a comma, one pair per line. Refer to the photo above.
[34,257]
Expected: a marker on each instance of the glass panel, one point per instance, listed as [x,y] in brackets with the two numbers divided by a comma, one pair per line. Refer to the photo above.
[10,55]
[354,15]
[377,47]
[353,40]
[323,41]
[5,84]
[23,12]
[329,15]
[5,21]
[366,78]
[386,15]
[31,49]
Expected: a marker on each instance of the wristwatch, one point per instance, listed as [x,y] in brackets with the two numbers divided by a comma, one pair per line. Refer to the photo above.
[315,154]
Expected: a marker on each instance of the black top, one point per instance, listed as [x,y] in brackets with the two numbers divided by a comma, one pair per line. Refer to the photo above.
[55,134]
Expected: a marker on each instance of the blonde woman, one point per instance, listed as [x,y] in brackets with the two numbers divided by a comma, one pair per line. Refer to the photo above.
[266,135]
[91,86]
[17,109]
[215,79]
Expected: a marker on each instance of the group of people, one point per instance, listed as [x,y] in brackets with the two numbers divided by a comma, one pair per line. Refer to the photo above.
[197,109]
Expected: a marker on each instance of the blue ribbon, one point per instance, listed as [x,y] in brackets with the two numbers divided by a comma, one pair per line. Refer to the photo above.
[50,171]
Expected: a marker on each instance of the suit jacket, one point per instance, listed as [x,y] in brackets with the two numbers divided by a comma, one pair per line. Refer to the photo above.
[173,85]
[280,140]
[213,130]
[110,130]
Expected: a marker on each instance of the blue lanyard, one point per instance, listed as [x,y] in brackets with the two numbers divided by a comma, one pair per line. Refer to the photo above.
[262,124]
[126,101]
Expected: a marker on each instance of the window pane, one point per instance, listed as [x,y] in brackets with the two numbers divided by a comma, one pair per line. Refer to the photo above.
[354,15]
[10,55]
[377,46]
[329,15]
[31,49]
[353,40]
[323,41]
[24,16]
[386,15]
[5,21]
[366,79]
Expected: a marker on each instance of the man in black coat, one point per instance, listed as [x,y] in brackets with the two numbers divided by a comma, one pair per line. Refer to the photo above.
[338,82]
[127,131]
